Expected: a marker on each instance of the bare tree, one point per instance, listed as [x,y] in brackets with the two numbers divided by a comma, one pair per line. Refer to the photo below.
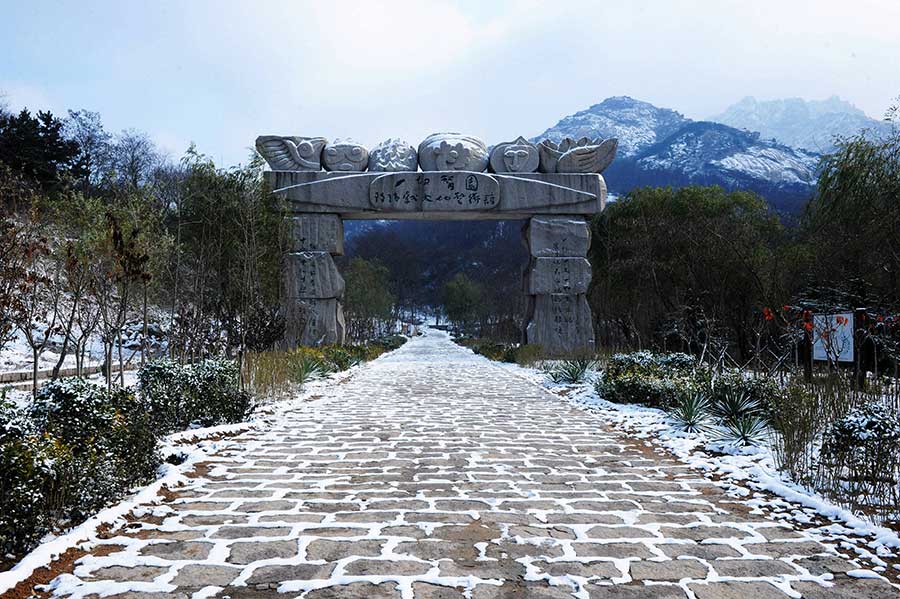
[40,293]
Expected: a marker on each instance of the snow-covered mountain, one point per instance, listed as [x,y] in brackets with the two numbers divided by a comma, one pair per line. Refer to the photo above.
[811,125]
[636,124]
[659,146]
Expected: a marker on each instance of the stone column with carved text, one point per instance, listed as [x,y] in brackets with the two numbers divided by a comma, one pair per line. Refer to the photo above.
[312,286]
[559,317]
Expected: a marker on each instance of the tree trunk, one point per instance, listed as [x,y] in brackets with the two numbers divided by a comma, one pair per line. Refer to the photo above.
[144,347]
[34,370]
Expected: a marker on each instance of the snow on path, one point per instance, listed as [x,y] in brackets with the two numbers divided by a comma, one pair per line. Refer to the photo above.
[431,472]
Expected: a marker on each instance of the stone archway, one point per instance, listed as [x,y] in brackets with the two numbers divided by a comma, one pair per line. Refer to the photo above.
[451,186]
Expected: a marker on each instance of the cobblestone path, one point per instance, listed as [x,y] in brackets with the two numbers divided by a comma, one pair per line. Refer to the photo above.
[431,473]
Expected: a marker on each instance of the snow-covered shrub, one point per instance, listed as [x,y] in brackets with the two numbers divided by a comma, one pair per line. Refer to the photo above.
[859,464]
[214,394]
[27,467]
[205,393]
[74,449]
[106,443]
[656,392]
[73,411]
[656,380]
[645,362]
[161,384]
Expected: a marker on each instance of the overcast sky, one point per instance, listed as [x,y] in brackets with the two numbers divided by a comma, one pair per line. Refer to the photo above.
[220,73]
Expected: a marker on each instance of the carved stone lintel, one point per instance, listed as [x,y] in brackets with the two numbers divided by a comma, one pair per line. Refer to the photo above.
[560,324]
[312,275]
[558,237]
[316,232]
[568,276]
[313,322]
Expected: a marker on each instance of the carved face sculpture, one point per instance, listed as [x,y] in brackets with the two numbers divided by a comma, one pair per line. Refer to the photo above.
[519,156]
[345,155]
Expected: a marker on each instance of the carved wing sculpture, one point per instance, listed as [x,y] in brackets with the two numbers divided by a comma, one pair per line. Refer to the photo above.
[291,153]
[582,156]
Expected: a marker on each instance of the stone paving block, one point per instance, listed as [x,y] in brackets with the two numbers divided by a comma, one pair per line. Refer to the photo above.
[178,550]
[552,532]
[357,590]
[737,590]
[244,532]
[673,570]
[520,590]
[752,568]
[702,533]
[820,564]
[848,589]
[247,553]
[612,550]
[707,551]
[203,575]
[272,576]
[383,567]
[424,590]
[635,591]
[799,548]
[129,574]
[585,569]
[435,550]
[331,551]
[620,532]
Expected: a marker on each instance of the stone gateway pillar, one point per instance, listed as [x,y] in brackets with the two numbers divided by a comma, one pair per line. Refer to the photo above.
[557,186]
[558,318]
[312,287]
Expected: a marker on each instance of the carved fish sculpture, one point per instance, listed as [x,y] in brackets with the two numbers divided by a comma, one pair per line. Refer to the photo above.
[291,153]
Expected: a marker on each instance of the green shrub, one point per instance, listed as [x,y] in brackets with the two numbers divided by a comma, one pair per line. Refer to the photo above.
[656,392]
[529,354]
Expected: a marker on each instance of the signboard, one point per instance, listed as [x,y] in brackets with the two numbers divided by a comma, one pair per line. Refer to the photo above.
[833,337]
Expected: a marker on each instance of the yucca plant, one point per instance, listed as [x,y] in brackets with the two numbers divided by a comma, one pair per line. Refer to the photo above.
[748,430]
[692,412]
[571,372]
[735,405]
[303,368]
